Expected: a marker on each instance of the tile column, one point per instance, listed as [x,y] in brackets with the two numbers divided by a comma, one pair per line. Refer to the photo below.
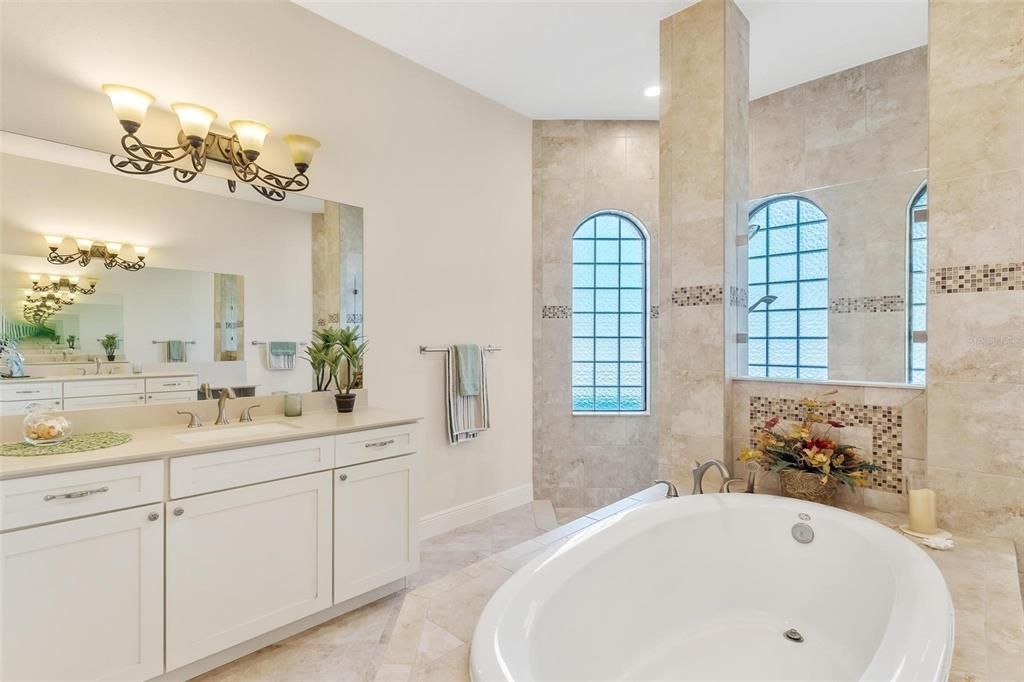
[976,266]
[703,193]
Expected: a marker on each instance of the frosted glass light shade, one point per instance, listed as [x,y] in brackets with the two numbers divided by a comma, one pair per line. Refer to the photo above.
[53,241]
[302,147]
[141,251]
[195,121]
[113,248]
[84,244]
[130,104]
[251,135]
[35,278]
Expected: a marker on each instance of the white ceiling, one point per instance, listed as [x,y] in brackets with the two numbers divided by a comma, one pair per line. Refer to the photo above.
[581,59]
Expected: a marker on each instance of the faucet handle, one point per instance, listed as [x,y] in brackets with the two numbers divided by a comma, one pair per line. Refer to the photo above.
[726,482]
[247,414]
[194,421]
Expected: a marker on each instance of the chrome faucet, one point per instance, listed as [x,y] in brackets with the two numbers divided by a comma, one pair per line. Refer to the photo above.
[700,469]
[226,393]
[246,415]
[96,359]
[671,491]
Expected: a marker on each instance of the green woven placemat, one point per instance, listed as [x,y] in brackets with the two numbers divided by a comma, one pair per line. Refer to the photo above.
[77,443]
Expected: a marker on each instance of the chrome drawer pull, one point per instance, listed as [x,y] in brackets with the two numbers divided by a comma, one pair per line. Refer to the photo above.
[380,443]
[26,392]
[75,495]
[175,383]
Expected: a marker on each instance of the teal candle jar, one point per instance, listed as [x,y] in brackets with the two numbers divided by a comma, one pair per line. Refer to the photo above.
[293,405]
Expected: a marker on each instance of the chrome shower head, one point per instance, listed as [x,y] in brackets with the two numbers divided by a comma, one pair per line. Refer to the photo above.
[767,300]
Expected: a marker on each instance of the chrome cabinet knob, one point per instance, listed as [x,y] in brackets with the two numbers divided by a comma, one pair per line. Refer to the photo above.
[343,477]
[153,516]
[178,511]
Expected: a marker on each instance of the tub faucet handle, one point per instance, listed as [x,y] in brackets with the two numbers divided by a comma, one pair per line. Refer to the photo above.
[671,491]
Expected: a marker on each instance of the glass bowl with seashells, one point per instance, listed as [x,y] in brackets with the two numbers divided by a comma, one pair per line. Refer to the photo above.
[43,426]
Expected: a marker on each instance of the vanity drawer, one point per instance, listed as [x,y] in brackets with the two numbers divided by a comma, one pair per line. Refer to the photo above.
[53,497]
[100,402]
[167,384]
[30,391]
[366,446]
[196,474]
[94,387]
[170,397]
[19,406]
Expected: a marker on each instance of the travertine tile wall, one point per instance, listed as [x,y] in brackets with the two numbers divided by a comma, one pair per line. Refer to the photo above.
[976,220]
[703,188]
[326,256]
[580,167]
[856,144]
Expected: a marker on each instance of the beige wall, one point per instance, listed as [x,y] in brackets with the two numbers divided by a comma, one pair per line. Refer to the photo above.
[442,173]
[580,167]
[703,189]
[976,214]
[856,144]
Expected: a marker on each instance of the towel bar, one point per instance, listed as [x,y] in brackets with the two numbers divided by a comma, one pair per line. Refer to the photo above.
[190,343]
[262,343]
[444,349]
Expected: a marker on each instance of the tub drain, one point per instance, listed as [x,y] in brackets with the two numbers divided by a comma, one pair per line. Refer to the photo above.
[793,635]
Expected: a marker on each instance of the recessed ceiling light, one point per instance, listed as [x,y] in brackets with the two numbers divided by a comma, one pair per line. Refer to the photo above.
[652,90]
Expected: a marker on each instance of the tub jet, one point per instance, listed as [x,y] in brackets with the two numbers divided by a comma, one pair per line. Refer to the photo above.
[793,635]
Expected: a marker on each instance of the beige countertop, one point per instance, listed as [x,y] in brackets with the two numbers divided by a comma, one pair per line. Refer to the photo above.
[159,442]
[93,377]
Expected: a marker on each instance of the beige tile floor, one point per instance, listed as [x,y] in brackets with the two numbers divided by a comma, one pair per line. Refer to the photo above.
[423,634]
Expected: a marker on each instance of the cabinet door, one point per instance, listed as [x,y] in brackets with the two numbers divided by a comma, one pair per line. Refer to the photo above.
[243,562]
[376,528]
[83,599]
[102,402]
[171,397]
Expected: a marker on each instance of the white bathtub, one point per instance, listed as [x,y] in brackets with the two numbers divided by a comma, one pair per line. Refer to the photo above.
[703,588]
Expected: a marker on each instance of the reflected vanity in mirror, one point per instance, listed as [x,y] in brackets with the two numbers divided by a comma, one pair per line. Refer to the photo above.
[222,291]
[837,225]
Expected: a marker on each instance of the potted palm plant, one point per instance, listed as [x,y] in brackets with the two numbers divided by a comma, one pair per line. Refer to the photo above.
[109,343]
[351,351]
[323,356]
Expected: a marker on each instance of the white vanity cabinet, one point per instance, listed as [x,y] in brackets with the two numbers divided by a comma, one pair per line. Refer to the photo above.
[243,562]
[376,527]
[16,396]
[83,599]
[164,390]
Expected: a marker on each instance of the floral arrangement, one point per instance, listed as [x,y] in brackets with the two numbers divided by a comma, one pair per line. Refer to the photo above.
[809,446]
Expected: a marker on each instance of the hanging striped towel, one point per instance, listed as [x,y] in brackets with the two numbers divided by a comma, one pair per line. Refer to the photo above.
[468,415]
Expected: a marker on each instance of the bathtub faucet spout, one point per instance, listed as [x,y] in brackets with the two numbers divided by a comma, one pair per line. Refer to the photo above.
[671,492]
[700,469]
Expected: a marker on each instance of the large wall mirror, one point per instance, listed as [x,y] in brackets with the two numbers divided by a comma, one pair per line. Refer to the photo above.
[837,227]
[231,287]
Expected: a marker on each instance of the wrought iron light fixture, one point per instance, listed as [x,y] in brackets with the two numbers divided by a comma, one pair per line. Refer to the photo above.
[197,143]
[57,282]
[88,249]
[39,309]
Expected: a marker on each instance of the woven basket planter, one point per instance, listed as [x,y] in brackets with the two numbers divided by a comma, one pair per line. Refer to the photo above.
[804,485]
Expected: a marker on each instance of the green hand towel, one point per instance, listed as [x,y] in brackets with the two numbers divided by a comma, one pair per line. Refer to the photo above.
[282,348]
[175,351]
[467,358]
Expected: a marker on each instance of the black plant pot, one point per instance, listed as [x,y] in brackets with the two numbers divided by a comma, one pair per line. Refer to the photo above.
[346,402]
[110,357]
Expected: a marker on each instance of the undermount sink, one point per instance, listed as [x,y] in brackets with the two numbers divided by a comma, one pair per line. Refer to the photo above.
[219,434]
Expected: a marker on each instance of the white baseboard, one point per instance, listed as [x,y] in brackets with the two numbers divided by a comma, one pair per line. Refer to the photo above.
[477,510]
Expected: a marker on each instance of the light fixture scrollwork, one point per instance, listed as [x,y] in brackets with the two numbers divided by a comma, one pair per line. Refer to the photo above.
[197,143]
[88,249]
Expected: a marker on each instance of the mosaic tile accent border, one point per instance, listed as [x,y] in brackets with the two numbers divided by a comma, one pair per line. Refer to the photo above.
[555,312]
[333,318]
[738,297]
[655,312]
[353,318]
[966,279]
[700,294]
[868,304]
[886,424]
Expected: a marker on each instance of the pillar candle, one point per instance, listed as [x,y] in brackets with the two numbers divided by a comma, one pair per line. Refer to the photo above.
[922,511]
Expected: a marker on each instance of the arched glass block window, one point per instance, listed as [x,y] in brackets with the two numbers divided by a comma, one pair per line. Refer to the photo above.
[917,287]
[787,287]
[609,314]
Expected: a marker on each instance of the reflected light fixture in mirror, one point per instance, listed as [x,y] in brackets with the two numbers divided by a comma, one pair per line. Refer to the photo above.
[87,249]
[57,283]
[198,144]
